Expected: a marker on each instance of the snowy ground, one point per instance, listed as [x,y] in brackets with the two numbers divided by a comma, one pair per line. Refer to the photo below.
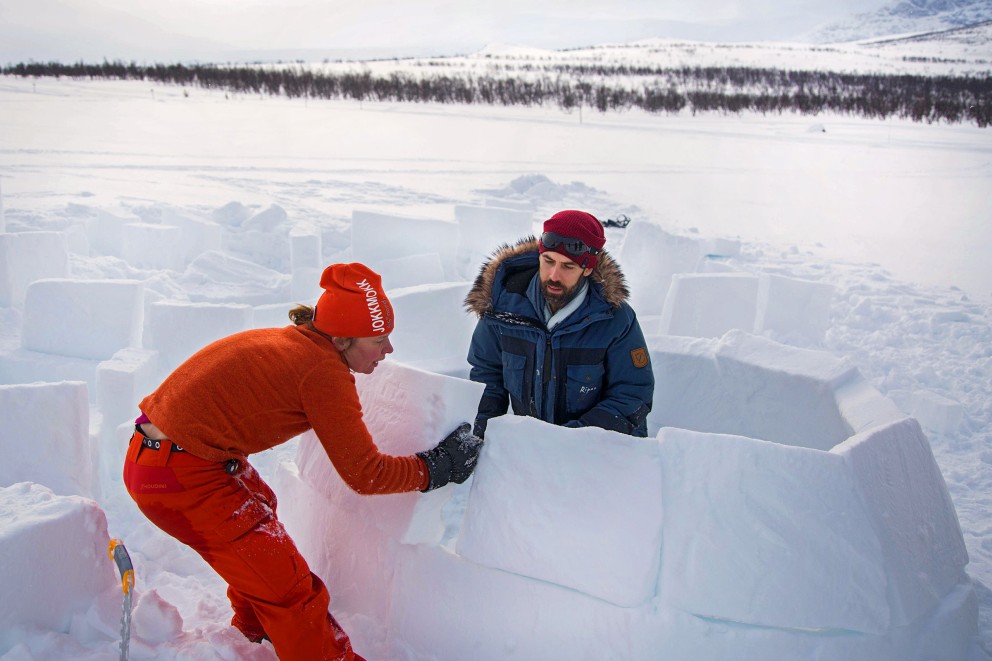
[893,214]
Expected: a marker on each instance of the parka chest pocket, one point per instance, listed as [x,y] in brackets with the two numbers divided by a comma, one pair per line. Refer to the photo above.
[515,377]
[583,386]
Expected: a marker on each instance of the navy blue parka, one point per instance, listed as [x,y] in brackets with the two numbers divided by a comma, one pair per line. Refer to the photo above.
[592,369]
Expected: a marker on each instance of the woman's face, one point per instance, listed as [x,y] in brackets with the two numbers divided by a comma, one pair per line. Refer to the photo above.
[364,353]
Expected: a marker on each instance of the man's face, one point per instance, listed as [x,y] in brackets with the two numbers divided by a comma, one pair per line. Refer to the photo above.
[560,279]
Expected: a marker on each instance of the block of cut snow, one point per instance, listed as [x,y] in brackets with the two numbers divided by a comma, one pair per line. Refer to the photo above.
[505,203]
[793,310]
[177,330]
[46,438]
[862,406]
[768,535]
[55,561]
[267,220]
[152,246]
[377,236]
[307,265]
[105,232]
[905,495]
[406,410]
[709,304]
[276,315]
[482,230]
[546,502]
[721,247]
[936,412]
[26,257]
[122,382]
[83,318]
[196,236]
[410,271]
[649,257]
[219,277]
[750,386]
[433,330]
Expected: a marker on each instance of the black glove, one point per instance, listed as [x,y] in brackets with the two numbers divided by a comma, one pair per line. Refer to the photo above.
[453,460]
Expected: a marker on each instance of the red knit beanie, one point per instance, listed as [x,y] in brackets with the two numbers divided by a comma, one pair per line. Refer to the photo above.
[579,225]
[353,304]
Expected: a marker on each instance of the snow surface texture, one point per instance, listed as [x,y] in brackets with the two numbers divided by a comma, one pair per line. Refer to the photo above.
[783,507]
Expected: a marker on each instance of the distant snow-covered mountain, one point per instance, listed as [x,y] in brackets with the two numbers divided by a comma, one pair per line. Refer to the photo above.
[905,17]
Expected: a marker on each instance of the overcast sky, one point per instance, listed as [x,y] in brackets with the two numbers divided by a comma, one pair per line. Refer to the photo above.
[212,30]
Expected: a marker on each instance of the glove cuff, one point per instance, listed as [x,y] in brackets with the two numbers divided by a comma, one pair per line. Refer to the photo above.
[438,468]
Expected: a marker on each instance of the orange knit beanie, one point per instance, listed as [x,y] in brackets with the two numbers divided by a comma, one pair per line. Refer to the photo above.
[353,304]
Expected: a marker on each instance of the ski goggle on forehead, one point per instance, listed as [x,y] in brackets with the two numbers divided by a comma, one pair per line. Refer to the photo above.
[552,241]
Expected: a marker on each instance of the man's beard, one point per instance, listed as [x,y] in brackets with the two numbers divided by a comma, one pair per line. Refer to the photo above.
[558,301]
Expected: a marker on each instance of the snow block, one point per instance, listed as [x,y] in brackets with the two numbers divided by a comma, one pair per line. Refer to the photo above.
[196,236]
[792,310]
[218,277]
[650,256]
[121,383]
[90,319]
[177,330]
[407,410]
[710,304]
[565,530]
[105,232]
[411,271]
[55,561]
[779,524]
[903,491]
[481,230]
[934,412]
[153,246]
[26,257]
[306,264]
[421,339]
[45,437]
[750,386]
[377,236]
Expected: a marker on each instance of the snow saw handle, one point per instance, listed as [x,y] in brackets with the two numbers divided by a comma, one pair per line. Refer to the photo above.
[121,558]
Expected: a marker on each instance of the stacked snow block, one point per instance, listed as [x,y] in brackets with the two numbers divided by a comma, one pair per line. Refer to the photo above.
[153,246]
[649,257]
[196,236]
[378,237]
[565,532]
[90,319]
[412,270]
[306,265]
[481,230]
[46,437]
[121,383]
[26,257]
[710,304]
[421,339]
[105,232]
[56,545]
[177,330]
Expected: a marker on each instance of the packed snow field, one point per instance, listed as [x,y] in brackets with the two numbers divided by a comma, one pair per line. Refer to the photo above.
[824,286]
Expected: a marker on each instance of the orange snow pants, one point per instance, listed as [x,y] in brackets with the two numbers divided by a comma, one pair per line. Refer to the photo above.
[230,520]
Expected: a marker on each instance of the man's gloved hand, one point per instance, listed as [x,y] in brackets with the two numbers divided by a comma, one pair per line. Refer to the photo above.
[453,459]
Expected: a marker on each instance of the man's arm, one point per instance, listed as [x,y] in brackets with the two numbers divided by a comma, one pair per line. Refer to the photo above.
[485,357]
[628,384]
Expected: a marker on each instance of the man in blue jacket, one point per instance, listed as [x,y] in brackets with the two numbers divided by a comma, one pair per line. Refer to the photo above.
[556,339]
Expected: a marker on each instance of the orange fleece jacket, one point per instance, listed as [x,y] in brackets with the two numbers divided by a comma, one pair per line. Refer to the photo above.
[256,389]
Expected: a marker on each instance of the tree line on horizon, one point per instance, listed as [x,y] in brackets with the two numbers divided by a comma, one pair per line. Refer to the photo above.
[952,99]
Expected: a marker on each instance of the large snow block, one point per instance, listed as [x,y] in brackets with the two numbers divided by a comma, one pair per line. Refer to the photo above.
[55,562]
[82,318]
[754,529]
[411,271]
[377,236]
[544,501]
[122,382]
[26,257]
[105,232]
[218,277]
[306,263]
[793,311]
[751,386]
[424,340]
[177,330]
[482,230]
[196,236]
[45,437]
[898,479]
[650,256]
[709,304]
[153,246]
[406,410]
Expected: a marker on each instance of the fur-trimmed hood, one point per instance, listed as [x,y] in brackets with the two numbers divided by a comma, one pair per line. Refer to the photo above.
[606,274]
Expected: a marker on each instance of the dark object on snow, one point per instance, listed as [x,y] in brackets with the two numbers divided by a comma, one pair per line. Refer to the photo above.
[620,221]
[453,459]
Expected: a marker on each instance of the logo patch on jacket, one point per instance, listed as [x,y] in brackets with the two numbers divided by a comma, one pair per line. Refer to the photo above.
[639,357]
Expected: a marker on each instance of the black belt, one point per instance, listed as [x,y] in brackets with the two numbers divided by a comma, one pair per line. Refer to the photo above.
[157,445]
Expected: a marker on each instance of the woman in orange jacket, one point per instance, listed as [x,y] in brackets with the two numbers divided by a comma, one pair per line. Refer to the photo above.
[187,467]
